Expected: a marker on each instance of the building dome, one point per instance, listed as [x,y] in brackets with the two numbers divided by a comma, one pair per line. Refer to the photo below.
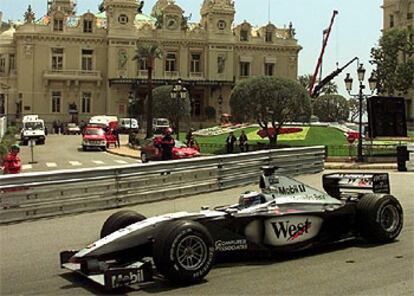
[7,36]
[159,6]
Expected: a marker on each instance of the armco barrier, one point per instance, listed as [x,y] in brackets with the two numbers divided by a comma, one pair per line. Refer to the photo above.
[37,195]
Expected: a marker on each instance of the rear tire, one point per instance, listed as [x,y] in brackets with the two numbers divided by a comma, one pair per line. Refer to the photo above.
[84,148]
[380,218]
[144,157]
[184,251]
[120,220]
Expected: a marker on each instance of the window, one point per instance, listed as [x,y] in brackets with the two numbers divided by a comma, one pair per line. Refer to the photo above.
[195,63]
[142,64]
[269,69]
[86,102]
[2,104]
[123,19]
[87,26]
[58,25]
[87,55]
[171,62]
[12,62]
[269,36]
[2,64]
[57,59]
[244,36]
[56,96]
[195,105]
[409,15]
[244,69]
[391,20]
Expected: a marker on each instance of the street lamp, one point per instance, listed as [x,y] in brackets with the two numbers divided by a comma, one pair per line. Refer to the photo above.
[178,92]
[372,81]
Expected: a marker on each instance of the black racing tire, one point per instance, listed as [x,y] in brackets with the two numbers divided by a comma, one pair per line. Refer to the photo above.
[84,148]
[120,220]
[183,252]
[379,217]
[144,157]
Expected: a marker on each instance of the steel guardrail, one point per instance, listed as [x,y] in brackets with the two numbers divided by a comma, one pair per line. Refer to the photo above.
[37,195]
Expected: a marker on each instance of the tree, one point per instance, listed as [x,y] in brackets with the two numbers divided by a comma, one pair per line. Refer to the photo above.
[353,105]
[173,109]
[331,108]
[394,61]
[149,53]
[329,88]
[271,102]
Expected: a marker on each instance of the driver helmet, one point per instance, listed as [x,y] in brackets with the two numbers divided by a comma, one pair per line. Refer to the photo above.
[15,147]
[168,131]
[251,198]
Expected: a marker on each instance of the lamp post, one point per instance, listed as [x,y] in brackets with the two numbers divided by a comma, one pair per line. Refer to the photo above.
[178,93]
[372,81]
[130,101]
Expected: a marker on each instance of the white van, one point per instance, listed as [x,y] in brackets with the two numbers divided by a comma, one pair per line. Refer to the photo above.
[159,125]
[102,120]
[33,128]
[127,124]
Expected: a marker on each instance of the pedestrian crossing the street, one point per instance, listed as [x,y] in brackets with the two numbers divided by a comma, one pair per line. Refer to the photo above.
[75,164]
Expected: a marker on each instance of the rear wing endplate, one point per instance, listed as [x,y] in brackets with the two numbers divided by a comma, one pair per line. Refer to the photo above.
[337,183]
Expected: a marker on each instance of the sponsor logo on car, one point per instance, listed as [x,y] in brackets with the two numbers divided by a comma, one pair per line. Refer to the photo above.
[291,189]
[290,231]
[231,245]
[133,277]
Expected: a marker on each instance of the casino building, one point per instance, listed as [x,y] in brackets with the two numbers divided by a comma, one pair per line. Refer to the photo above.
[64,64]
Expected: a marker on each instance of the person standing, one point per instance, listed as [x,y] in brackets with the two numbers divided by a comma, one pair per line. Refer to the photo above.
[244,147]
[189,137]
[167,144]
[12,163]
[230,140]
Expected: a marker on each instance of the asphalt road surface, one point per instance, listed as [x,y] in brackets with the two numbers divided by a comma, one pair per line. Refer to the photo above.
[65,152]
[30,262]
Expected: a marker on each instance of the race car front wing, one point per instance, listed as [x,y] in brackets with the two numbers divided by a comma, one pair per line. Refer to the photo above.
[111,276]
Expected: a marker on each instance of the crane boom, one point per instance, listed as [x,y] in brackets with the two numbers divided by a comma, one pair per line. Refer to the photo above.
[328,78]
[325,43]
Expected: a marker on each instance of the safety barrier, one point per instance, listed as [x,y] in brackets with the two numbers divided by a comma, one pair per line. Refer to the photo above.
[37,195]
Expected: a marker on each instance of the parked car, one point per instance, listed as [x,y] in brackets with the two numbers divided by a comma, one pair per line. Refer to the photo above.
[94,137]
[72,129]
[151,150]
[128,124]
[286,216]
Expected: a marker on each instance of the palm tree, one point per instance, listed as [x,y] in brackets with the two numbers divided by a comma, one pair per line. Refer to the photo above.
[149,52]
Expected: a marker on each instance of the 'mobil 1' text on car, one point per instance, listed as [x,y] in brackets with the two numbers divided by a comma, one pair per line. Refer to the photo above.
[286,215]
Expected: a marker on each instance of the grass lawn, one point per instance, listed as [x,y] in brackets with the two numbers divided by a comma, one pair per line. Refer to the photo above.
[309,136]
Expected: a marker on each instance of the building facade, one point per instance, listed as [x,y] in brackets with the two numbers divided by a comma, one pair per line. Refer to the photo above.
[65,64]
[400,14]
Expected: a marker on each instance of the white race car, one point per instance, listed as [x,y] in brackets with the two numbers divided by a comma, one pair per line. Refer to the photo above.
[286,215]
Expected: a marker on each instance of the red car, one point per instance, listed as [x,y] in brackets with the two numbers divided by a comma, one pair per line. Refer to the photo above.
[94,137]
[151,150]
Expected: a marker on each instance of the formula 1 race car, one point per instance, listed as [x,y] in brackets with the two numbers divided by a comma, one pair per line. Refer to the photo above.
[286,215]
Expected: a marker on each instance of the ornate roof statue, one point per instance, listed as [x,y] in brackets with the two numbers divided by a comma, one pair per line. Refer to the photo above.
[29,15]
[217,5]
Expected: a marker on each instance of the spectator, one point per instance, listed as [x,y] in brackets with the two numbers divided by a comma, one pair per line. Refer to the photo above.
[189,137]
[55,127]
[230,140]
[82,125]
[116,134]
[244,146]
[167,144]
[12,163]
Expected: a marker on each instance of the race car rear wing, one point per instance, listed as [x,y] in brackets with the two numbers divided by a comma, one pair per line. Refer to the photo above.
[337,183]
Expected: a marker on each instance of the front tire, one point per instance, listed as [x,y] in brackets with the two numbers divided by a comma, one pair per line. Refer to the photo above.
[120,220]
[184,251]
[380,218]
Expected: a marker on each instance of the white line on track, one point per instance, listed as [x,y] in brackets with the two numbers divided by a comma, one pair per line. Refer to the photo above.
[121,161]
[51,164]
[27,166]
[75,163]
[98,161]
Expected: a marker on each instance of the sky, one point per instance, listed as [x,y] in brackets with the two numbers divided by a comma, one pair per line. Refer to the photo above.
[356,30]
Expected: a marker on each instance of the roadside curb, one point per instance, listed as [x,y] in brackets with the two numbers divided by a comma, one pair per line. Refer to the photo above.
[119,153]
